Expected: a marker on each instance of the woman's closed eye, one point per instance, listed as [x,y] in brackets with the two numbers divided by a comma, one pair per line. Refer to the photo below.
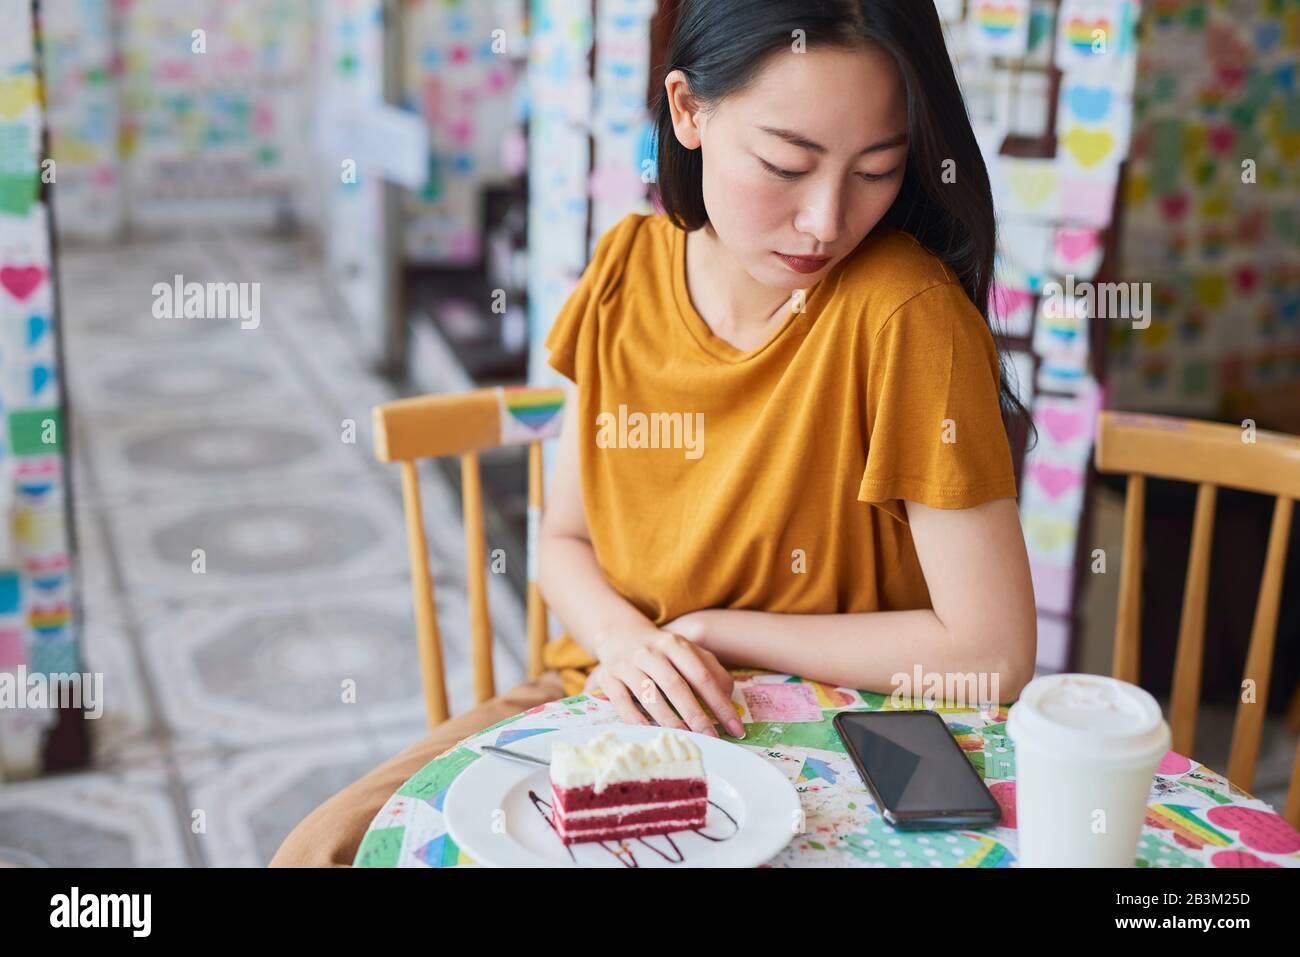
[777,171]
[795,174]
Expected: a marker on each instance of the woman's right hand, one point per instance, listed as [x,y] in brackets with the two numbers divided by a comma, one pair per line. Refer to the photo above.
[662,670]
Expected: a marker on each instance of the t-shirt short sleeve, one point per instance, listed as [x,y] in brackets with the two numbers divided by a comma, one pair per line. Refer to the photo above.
[563,341]
[934,416]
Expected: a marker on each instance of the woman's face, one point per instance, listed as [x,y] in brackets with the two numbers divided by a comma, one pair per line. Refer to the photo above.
[804,162]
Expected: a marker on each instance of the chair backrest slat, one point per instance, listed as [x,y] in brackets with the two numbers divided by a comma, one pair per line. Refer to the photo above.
[1185,697]
[1259,658]
[537,626]
[426,614]
[480,621]
[1129,622]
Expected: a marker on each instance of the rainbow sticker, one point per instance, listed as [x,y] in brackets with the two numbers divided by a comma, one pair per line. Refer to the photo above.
[829,696]
[529,414]
[1001,27]
[997,20]
[989,854]
[1189,829]
[1080,34]
[49,621]
[967,738]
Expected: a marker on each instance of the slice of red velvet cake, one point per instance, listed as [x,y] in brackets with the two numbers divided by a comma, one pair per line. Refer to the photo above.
[608,789]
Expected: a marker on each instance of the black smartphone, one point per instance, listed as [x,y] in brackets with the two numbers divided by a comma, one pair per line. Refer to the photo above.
[918,774]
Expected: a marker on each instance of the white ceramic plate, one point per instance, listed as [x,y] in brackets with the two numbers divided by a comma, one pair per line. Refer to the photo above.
[753,810]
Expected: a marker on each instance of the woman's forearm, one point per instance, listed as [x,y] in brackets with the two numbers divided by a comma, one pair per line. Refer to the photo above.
[868,651]
[576,590]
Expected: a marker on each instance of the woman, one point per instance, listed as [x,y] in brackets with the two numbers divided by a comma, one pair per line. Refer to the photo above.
[786,447]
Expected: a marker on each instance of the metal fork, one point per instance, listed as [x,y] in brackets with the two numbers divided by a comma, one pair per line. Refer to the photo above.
[515,755]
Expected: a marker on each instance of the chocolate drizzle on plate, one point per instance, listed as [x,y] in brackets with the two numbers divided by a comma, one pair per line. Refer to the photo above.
[624,854]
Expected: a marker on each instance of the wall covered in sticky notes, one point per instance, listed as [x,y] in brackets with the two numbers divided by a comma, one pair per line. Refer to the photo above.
[465,61]
[590,147]
[37,628]
[1212,209]
[84,116]
[168,112]
[1049,86]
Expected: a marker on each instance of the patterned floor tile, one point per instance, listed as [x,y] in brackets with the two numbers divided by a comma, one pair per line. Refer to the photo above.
[94,819]
[246,374]
[255,798]
[165,454]
[245,542]
[127,730]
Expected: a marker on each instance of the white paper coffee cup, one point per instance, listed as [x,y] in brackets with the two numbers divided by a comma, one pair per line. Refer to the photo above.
[1087,748]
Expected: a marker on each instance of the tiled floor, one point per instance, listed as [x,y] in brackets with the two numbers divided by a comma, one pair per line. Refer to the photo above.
[224,681]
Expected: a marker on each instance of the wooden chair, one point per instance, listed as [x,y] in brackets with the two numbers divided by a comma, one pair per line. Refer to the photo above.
[465,424]
[1211,455]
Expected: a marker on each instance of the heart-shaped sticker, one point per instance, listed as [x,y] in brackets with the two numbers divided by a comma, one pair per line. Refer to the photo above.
[1073,244]
[1061,425]
[1089,147]
[1089,103]
[1055,479]
[21,281]
[1034,185]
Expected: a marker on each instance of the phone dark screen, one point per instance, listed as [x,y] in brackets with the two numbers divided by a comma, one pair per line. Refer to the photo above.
[914,762]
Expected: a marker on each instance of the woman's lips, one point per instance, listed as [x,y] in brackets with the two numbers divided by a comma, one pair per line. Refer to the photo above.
[804,264]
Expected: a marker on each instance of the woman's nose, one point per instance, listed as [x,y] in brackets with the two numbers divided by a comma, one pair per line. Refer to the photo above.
[822,214]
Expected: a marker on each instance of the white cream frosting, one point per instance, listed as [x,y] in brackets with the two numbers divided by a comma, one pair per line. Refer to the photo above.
[606,760]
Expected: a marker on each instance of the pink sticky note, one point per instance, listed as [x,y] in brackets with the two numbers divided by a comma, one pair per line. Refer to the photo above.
[13,648]
[782,702]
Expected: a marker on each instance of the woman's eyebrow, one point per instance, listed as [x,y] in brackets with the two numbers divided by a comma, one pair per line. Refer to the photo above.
[796,139]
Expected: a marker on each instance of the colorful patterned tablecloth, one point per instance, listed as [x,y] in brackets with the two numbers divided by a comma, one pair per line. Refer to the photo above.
[1195,817]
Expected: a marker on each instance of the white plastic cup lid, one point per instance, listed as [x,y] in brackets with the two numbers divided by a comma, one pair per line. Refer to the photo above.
[1095,717]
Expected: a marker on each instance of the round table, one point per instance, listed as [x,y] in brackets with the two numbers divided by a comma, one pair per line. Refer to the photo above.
[1195,817]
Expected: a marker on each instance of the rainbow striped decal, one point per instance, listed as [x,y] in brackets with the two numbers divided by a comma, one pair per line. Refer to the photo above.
[49,621]
[1189,829]
[1079,33]
[830,697]
[967,738]
[989,854]
[529,414]
[998,20]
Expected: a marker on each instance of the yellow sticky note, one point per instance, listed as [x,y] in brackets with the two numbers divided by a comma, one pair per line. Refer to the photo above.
[17,95]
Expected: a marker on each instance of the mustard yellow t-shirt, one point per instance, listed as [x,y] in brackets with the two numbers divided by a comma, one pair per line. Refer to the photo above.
[773,479]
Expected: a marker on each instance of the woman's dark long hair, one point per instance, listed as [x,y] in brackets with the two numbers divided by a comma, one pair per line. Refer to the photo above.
[721,45]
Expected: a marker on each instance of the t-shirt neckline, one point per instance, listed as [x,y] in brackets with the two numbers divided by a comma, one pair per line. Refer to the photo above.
[699,330]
